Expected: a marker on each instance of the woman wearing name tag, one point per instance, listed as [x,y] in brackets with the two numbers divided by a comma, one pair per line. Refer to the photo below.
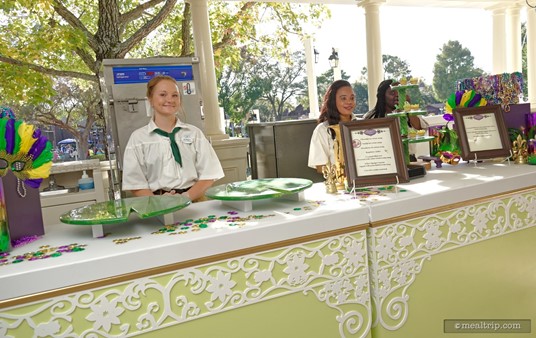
[168,156]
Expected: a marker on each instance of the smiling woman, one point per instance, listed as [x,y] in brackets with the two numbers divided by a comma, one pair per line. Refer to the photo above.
[338,106]
[168,156]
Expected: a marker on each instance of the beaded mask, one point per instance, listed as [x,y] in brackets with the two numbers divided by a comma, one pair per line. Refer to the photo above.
[23,150]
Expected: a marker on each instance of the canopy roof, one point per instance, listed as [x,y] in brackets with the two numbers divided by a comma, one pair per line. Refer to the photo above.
[484,4]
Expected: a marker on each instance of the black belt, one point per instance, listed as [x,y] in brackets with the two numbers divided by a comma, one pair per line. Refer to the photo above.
[163,191]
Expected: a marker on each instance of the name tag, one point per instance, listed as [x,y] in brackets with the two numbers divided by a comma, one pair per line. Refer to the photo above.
[187,139]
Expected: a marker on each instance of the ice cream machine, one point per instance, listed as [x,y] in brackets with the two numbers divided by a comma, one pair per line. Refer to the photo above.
[125,94]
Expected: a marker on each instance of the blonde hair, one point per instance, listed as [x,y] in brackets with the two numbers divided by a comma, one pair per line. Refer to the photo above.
[155,80]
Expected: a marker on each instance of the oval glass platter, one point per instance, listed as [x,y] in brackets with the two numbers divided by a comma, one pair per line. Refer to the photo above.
[118,211]
[419,139]
[258,189]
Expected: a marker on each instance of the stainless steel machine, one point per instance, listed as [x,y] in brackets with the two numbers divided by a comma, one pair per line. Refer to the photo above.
[125,94]
[281,149]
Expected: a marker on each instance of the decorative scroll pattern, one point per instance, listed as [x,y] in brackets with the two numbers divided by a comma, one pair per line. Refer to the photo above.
[334,270]
[399,250]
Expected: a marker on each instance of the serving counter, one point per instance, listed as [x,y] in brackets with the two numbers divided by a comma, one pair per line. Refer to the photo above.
[384,262]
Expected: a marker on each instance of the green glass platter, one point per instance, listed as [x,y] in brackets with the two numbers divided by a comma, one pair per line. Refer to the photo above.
[419,139]
[258,189]
[408,113]
[406,86]
[417,112]
[118,211]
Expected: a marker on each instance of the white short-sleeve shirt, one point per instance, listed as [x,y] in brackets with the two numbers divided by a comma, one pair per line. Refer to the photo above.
[148,162]
[321,146]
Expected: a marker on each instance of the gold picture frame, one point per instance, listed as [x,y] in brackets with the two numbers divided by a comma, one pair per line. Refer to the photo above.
[373,152]
[482,132]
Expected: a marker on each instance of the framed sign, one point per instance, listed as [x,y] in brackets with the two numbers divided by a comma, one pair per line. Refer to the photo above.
[373,152]
[482,132]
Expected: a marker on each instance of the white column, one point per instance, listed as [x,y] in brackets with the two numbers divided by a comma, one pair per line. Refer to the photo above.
[374,47]
[499,41]
[513,39]
[203,49]
[311,77]
[531,57]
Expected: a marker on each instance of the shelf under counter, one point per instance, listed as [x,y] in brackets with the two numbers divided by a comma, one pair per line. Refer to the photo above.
[67,174]
[68,198]
[74,166]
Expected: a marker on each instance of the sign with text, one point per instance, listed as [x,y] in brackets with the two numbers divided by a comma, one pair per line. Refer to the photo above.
[142,74]
[482,132]
[373,152]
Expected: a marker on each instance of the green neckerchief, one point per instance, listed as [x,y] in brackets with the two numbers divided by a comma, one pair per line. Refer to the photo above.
[174,145]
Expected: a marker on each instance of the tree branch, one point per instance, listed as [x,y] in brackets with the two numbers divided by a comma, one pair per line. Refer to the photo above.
[74,22]
[228,34]
[49,71]
[88,59]
[137,12]
[147,28]
[282,22]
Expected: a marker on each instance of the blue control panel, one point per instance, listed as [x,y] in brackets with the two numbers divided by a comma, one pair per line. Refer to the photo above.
[124,75]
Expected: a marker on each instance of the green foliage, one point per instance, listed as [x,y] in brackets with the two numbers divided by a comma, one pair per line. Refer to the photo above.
[45,42]
[100,157]
[20,85]
[324,81]
[427,95]
[423,95]
[453,63]
[361,98]
[168,39]
[448,142]
[275,87]
[394,67]
[283,83]
[254,28]
[240,88]
[26,36]
[37,43]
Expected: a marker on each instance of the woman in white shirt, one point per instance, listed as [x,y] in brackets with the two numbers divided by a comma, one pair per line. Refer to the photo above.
[168,156]
[338,106]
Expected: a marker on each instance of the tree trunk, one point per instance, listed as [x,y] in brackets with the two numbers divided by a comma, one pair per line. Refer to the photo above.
[185,30]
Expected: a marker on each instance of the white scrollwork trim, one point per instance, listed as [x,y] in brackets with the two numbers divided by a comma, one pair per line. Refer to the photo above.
[398,251]
[334,270]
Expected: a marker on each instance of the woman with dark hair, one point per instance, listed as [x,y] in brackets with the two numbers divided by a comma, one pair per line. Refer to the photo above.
[338,106]
[386,100]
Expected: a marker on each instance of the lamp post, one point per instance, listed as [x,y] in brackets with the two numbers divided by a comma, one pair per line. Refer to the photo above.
[334,63]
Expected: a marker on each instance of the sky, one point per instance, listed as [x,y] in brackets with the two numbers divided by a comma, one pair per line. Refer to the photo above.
[416,35]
